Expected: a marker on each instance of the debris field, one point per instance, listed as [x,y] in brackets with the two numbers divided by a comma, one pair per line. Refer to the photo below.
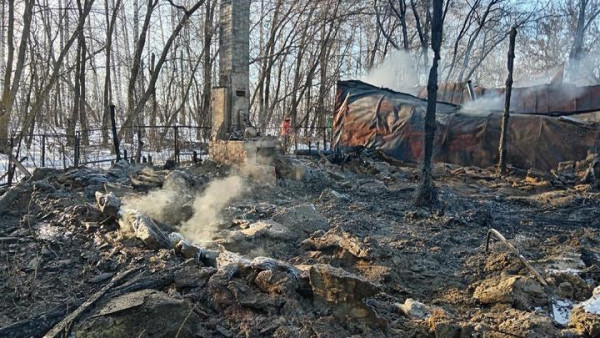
[328,251]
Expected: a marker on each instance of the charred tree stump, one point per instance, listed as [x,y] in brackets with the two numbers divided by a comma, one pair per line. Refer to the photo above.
[505,116]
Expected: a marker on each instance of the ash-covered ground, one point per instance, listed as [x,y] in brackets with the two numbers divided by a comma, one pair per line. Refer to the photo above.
[330,251]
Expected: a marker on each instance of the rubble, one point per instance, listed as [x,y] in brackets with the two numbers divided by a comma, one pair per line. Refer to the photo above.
[148,312]
[522,292]
[108,204]
[337,238]
[586,171]
[143,228]
[585,324]
[303,218]
[414,309]
[345,292]
[331,252]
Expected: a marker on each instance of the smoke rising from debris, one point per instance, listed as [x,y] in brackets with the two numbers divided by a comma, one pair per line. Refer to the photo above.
[155,204]
[209,205]
[399,72]
[166,205]
[484,104]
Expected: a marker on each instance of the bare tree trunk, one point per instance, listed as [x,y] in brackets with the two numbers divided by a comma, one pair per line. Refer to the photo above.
[3,43]
[54,75]
[422,29]
[505,116]
[182,118]
[4,112]
[107,80]
[426,193]
[152,136]
[136,109]
[9,92]
[75,112]
[135,70]
[83,114]
[209,30]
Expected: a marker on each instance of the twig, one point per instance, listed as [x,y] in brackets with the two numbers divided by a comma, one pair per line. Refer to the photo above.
[514,250]
[183,323]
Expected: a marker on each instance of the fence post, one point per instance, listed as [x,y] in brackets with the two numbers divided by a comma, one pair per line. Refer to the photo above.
[124,154]
[176,130]
[140,144]
[113,123]
[64,156]
[43,151]
[77,144]
[11,170]
[324,138]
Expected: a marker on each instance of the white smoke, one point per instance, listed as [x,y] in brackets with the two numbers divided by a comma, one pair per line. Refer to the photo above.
[156,204]
[485,104]
[208,207]
[587,72]
[166,205]
[399,71]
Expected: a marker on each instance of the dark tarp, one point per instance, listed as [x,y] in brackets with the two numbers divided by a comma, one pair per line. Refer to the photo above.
[393,122]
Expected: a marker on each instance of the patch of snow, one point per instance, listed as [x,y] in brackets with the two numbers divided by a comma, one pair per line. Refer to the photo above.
[561,311]
[592,305]
[567,270]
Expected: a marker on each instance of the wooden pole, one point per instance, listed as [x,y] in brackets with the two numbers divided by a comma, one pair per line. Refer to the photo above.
[506,115]
[140,145]
[43,164]
[76,155]
[176,131]
[113,123]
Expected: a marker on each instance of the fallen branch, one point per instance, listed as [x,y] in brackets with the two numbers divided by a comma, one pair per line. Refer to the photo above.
[514,250]
[64,326]
[36,326]
[19,166]
[140,282]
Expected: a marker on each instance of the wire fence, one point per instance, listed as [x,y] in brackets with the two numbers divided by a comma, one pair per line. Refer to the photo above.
[159,145]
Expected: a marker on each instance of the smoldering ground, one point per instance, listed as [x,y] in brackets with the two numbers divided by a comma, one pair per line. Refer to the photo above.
[169,205]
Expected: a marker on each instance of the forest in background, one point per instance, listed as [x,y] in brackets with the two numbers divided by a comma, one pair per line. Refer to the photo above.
[64,62]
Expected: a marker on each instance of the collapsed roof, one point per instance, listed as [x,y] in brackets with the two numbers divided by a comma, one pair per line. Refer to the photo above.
[540,134]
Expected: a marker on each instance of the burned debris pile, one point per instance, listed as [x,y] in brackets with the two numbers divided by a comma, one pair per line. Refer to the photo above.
[329,250]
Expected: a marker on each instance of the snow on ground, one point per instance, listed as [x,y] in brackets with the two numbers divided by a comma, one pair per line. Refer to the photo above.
[561,311]
[592,305]
[60,154]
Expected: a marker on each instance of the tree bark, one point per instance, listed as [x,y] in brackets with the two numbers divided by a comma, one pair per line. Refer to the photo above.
[505,116]
[10,89]
[426,193]
[135,71]
[209,30]
[107,80]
